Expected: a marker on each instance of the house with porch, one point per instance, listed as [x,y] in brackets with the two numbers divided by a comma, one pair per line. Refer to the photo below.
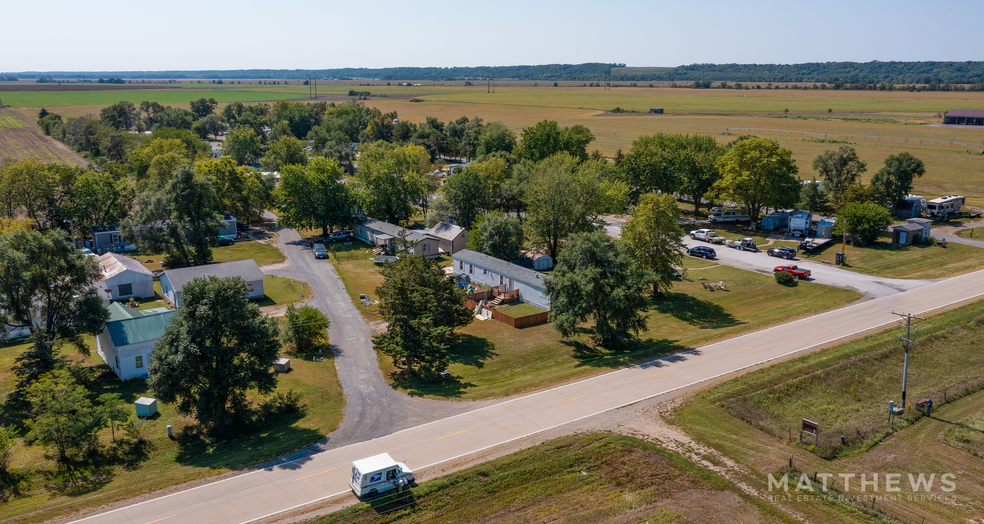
[479,268]
[173,280]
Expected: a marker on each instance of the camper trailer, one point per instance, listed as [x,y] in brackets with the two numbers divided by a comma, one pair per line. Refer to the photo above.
[727,215]
[374,475]
[944,206]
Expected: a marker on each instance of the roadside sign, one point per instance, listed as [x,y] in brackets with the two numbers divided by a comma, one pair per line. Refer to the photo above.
[812,428]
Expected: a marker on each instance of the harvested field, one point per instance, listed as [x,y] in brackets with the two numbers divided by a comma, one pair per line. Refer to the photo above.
[20,138]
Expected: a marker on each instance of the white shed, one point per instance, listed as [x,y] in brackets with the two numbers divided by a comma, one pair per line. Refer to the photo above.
[123,277]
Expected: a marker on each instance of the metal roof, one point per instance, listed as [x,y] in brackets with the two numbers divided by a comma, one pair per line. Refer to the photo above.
[446,231]
[246,269]
[908,226]
[501,267]
[118,311]
[112,264]
[972,113]
[140,329]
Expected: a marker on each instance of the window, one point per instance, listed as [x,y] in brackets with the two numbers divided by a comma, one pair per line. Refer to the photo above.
[485,271]
[426,246]
[391,474]
[471,269]
[139,361]
[114,238]
[500,280]
[126,289]
[461,265]
[249,286]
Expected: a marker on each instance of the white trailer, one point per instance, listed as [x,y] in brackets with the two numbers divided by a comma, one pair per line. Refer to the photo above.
[374,475]
[944,206]
[727,215]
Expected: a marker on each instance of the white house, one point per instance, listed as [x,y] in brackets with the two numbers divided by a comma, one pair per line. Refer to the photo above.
[383,234]
[129,338]
[452,238]
[123,277]
[173,280]
[490,271]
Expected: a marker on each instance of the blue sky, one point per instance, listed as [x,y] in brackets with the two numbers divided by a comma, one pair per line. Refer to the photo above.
[114,35]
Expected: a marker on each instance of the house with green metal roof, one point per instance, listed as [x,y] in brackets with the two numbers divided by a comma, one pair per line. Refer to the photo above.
[129,338]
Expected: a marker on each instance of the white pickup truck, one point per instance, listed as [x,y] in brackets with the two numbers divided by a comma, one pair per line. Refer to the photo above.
[707,235]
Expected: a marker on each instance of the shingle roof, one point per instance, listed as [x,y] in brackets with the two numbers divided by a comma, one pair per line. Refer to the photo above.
[140,329]
[501,267]
[908,226]
[112,264]
[247,269]
[382,227]
[446,231]
[973,113]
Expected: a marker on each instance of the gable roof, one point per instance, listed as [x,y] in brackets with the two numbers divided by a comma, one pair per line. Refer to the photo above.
[118,311]
[908,226]
[446,231]
[112,264]
[383,227]
[501,267]
[141,329]
[106,229]
[247,269]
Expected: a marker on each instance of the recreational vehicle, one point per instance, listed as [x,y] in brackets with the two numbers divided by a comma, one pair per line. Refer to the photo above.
[943,206]
[727,215]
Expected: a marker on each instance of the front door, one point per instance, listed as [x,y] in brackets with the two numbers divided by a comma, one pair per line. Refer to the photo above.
[902,237]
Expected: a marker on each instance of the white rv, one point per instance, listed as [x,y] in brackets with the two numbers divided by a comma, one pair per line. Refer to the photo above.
[727,215]
[944,205]
[374,475]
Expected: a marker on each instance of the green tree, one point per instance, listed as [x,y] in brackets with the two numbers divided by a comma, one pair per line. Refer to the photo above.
[757,173]
[500,235]
[62,417]
[285,151]
[45,286]
[98,198]
[495,137]
[698,167]
[113,410]
[839,170]
[654,237]
[238,190]
[304,328]
[121,115]
[243,145]
[8,439]
[314,196]
[595,279]
[390,181]
[203,107]
[894,181]
[546,138]
[655,163]
[466,194]
[865,222]
[216,349]
[423,309]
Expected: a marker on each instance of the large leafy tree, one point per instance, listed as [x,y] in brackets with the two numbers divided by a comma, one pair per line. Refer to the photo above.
[500,236]
[45,286]
[238,190]
[203,107]
[698,167]
[654,237]
[495,137]
[216,349]
[839,170]
[62,416]
[598,280]
[314,196]
[181,220]
[35,190]
[285,151]
[304,328]
[894,181]
[546,138]
[99,198]
[390,182]
[654,163]
[466,193]
[243,144]
[121,115]
[757,173]
[864,221]
[423,309]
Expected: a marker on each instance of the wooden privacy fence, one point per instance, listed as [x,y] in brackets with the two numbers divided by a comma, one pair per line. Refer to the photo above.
[516,322]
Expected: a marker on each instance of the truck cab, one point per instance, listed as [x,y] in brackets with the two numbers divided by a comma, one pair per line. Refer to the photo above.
[374,475]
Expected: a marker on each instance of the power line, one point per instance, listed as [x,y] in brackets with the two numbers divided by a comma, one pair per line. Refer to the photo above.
[906,339]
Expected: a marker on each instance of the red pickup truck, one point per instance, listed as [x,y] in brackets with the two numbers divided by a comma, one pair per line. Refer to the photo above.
[793,270]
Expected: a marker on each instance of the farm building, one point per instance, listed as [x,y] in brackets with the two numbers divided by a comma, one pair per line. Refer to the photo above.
[108,238]
[452,238]
[129,337]
[964,117]
[906,234]
[384,234]
[174,280]
[123,277]
[489,271]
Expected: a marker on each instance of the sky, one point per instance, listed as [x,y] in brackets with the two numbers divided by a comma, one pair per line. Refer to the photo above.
[155,35]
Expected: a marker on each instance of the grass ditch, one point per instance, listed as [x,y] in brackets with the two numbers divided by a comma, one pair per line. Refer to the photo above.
[918,261]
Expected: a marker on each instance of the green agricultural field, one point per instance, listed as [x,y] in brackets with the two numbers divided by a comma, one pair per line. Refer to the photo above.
[585,478]
[50,99]
[10,122]
[20,139]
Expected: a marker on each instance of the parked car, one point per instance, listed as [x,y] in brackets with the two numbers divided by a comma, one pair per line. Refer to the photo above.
[87,252]
[782,252]
[320,251]
[702,252]
[226,241]
[340,236]
[793,270]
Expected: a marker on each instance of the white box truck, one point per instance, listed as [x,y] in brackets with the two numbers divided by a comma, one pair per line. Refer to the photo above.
[374,475]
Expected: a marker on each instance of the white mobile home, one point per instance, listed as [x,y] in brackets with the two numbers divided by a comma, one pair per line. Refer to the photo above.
[173,280]
[123,277]
[490,271]
[129,338]
[727,215]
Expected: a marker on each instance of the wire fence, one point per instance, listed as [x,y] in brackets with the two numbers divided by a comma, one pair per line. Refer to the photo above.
[891,140]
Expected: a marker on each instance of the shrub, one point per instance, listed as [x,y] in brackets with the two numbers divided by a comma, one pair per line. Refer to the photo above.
[785,279]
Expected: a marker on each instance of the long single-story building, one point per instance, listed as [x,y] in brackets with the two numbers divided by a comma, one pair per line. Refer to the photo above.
[383,234]
[490,271]
[129,338]
[174,280]
[123,277]
[964,117]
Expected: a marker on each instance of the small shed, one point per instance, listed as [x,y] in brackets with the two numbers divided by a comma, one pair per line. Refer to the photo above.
[656,110]
[926,224]
[906,234]
[825,228]
[540,261]
[281,365]
[146,407]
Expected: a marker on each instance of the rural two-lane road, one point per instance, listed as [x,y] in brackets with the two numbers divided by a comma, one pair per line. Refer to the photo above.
[261,493]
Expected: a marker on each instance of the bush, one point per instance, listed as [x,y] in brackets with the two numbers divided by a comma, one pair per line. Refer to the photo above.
[785,279]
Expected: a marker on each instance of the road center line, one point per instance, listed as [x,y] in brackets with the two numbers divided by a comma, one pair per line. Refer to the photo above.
[922,297]
[158,520]
[868,313]
[658,374]
[453,434]
[566,401]
[808,330]
[740,350]
[315,474]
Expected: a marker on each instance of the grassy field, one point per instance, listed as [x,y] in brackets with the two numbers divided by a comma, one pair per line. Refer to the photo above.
[263,253]
[976,233]
[492,359]
[280,291]
[519,310]
[46,492]
[916,261]
[20,138]
[846,389]
[584,478]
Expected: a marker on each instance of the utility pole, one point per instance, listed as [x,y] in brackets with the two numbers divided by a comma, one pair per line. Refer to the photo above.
[906,341]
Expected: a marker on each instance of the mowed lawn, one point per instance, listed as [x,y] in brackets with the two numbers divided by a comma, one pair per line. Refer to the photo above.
[280,291]
[492,359]
[45,492]
[264,254]
[920,261]
[584,478]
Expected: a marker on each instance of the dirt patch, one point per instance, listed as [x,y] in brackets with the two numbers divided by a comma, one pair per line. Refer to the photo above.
[20,138]
[378,327]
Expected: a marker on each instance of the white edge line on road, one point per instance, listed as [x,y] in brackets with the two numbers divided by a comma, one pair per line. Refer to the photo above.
[664,357]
